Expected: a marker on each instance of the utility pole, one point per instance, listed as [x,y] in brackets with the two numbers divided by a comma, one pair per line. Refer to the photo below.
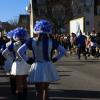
[31,19]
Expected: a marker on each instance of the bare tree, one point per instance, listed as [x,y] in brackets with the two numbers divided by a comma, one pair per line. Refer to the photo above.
[14,22]
[76,9]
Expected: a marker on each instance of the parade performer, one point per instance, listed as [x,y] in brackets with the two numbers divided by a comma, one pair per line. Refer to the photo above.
[19,67]
[42,71]
[8,53]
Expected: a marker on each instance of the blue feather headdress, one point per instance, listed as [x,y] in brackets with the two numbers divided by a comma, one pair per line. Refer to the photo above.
[20,33]
[42,27]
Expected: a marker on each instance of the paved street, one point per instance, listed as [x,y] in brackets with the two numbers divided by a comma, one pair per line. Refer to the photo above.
[80,80]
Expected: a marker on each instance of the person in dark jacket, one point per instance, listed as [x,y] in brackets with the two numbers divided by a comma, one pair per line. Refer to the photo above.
[81,45]
[2,47]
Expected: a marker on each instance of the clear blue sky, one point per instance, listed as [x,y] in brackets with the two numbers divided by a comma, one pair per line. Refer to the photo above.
[11,9]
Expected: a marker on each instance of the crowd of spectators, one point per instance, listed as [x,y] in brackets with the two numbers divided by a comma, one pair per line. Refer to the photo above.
[89,43]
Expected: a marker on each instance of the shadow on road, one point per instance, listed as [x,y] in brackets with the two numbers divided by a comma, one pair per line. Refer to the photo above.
[55,94]
[90,60]
[79,94]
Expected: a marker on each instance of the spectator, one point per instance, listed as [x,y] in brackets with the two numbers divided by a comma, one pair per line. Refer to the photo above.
[2,47]
[81,45]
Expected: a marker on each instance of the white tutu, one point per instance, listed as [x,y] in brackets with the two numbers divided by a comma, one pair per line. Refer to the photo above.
[42,72]
[20,68]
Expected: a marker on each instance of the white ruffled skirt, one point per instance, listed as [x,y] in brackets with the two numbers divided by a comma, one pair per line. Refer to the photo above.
[42,72]
[20,68]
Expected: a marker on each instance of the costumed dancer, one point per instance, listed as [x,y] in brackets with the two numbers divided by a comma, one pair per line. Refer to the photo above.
[8,53]
[19,67]
[9,44]
[42,71]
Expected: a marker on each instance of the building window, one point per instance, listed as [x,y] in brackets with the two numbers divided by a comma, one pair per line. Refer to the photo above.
[58,11]
[88,3]
[98,10]
[87,9]
[40,2]
[42,11]
[99,24]
[87,23]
